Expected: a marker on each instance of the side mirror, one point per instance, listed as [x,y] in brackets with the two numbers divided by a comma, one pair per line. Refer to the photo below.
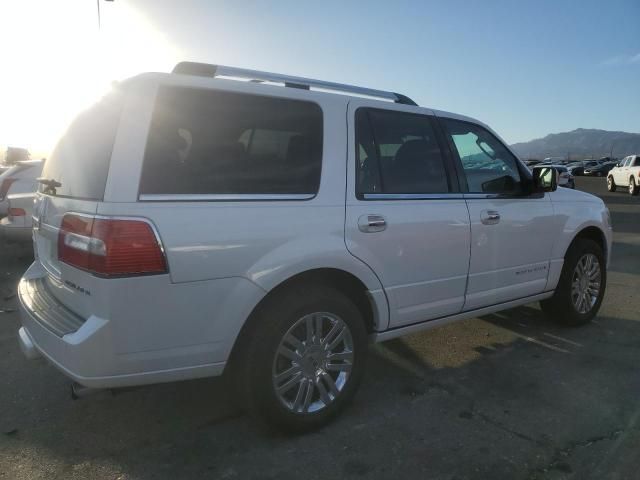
[545,179]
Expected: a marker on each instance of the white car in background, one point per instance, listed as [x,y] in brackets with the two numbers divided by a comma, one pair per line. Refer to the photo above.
[17,225]
[19,178]
[565,177]
[626,173]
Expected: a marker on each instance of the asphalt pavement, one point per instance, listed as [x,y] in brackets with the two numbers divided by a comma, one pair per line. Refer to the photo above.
[505,396]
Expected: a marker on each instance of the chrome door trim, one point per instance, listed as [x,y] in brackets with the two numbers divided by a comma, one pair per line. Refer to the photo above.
[412,196]
[161,197]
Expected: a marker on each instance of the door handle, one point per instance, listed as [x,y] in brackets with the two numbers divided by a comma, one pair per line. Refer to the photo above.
[371,223]
[489,217]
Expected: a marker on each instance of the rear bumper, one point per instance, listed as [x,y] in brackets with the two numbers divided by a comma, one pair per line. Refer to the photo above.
[110,352]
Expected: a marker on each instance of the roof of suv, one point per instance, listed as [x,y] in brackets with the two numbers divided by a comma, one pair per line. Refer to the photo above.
[210,70]
[319,87]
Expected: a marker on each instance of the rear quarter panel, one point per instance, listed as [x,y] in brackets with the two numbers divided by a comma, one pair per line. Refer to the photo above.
[262,242]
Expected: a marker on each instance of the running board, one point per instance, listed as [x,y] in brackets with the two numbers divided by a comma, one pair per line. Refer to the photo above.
[438,322]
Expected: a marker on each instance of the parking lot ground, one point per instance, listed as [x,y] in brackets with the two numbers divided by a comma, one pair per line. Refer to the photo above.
[505,396]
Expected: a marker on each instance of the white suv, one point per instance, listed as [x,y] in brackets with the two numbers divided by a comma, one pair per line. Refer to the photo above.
[627,172]
[192,223]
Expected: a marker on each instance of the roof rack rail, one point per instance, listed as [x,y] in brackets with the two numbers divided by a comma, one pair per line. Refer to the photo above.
[210,70]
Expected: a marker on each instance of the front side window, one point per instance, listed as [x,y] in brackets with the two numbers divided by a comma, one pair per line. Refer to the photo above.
[488,166]
[214,142]
[397,153]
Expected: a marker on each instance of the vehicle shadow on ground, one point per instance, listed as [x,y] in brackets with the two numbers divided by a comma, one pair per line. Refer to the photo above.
[512,380]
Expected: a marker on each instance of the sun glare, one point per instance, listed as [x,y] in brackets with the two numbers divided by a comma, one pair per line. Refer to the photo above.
[56,61]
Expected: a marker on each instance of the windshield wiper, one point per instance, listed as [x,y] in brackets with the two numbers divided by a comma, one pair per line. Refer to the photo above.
[49,182]
[50,185]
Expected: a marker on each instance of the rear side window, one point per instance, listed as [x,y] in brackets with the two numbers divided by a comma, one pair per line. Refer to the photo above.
[80,160]
[397,153]
[213,142]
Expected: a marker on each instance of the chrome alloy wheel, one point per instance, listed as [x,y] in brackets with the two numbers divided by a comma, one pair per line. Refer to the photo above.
[313,362]
[585,283]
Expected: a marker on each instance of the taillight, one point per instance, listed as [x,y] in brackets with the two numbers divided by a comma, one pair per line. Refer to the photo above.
[4,187]
[17,212]
[110,246]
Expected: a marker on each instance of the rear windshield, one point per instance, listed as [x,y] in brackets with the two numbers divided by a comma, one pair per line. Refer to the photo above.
[80,160]
[210,142]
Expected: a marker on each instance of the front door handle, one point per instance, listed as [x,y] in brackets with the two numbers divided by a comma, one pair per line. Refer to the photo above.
[371,223]
[490,217]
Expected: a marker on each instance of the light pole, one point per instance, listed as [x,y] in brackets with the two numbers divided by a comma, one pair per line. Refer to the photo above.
[98,5]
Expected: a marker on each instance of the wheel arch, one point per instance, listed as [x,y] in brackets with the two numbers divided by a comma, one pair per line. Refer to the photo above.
[594,233]
[372,305]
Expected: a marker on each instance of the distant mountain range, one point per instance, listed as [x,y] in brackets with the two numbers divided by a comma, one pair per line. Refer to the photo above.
[580,143]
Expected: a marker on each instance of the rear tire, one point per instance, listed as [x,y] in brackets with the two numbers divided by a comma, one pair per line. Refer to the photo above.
[304,359]
[581,287]
[611,184]
[633,188]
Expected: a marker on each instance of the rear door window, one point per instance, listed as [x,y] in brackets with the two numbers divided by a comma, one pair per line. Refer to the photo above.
[213,142]
[80,160]
[398,153]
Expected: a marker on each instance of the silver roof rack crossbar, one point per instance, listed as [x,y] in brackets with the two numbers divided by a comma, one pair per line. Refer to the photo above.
[209,70]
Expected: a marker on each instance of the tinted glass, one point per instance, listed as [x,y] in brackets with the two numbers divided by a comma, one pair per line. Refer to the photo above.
[488,165]
[80,160]
[398,153]
[212,142]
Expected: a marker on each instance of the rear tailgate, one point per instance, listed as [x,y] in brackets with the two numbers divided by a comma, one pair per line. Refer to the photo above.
[74,181]
[69,285]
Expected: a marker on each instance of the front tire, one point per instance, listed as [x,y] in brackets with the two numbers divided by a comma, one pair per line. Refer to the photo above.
[581,287]
[633,188]
[305,358]
[611,184]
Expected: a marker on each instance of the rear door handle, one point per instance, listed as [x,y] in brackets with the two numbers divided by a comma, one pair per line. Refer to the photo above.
[490,217]
[371,223]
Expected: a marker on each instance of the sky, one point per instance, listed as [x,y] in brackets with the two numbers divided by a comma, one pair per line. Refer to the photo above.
[527,68]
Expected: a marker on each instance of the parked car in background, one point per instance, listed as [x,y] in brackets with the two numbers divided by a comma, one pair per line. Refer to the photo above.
[320,217]
[599,170]
[577,168]
[20,178]
[532,162]
[565,178]
[625,174]
[17,225]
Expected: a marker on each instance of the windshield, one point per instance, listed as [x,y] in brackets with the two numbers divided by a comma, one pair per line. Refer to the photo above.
[79,163]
